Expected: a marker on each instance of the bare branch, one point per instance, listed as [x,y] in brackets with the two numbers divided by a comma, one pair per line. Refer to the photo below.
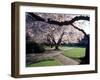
[79,29]
[38,18]
[60,39]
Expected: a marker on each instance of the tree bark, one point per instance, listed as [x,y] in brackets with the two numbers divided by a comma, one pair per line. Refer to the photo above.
[56,47]
[59,41]
[49,21]
[86,59]
[79,29]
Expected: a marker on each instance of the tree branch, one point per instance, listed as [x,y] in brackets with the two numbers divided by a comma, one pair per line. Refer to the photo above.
[68,22]
[60,39]
[49,21]
[79,29]
[52,38]
[38,18]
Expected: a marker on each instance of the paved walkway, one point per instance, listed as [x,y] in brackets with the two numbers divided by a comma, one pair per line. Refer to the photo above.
[65,60]
[57,55]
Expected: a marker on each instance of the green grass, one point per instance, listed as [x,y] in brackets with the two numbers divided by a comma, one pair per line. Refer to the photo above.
[49,48]
[74,52]
[60,47]
[44,63]
[65,47]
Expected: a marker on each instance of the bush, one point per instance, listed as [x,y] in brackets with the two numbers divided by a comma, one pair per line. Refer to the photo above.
[33,47]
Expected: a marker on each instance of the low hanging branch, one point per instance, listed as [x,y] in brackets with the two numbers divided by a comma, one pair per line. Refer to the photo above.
[49,21]
[79,29]
[68,22]
[38,18]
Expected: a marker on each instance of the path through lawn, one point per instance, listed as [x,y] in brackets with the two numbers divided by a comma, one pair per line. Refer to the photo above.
[65,60]
[54,58]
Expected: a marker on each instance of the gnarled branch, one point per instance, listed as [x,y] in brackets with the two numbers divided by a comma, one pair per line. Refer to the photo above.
[79,29]
[38,18]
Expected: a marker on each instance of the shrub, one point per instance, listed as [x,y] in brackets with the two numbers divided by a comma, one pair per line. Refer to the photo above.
[33,47]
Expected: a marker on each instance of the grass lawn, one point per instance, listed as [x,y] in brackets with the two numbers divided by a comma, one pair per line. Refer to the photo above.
[72,52]
[50,62]
[65,47]
[60,47]
[75,52]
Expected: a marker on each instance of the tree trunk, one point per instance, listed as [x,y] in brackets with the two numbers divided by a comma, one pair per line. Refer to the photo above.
[56,47]
[51,45]
[59,41]
[86,59]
